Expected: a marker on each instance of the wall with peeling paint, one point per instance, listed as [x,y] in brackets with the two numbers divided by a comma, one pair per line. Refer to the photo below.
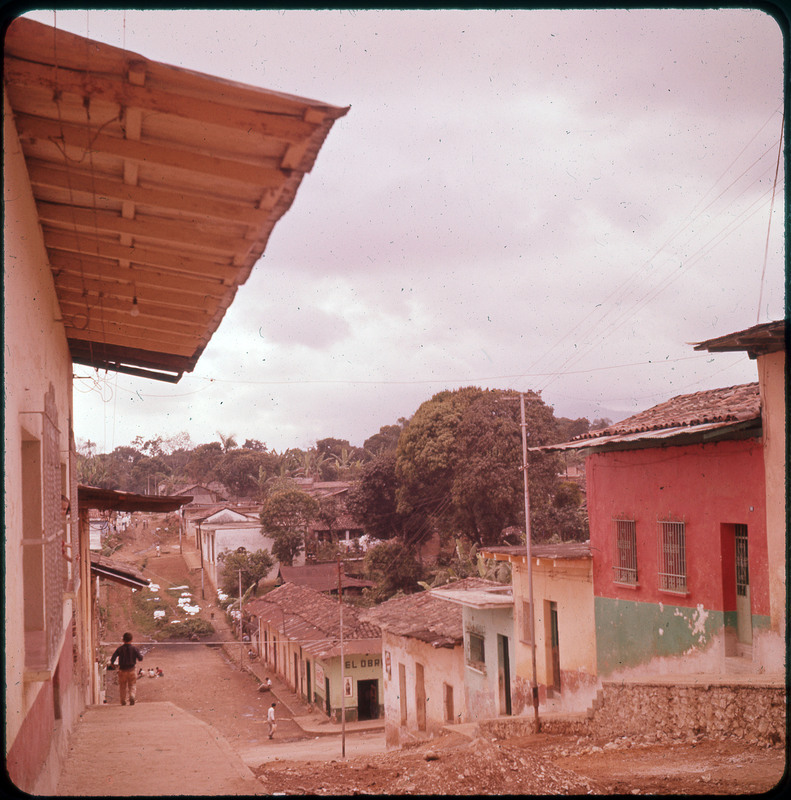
[567,582]
[441,666]
[708,487]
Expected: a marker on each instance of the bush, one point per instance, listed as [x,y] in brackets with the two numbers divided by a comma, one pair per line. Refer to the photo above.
[185,630]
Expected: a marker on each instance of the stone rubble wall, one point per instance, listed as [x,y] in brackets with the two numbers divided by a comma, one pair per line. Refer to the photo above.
[754,714]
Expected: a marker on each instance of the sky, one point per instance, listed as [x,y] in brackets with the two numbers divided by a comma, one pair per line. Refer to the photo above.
[556,201]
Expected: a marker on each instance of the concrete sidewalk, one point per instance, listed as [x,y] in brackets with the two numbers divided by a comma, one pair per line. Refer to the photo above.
[150,749]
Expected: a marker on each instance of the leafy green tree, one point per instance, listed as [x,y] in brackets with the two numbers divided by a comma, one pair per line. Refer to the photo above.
[392,566]
[287,545]
[459,460]
[386,440]
[147,473]
[286,513]
[372,500]
[253,566]
[240,469]
[203,461]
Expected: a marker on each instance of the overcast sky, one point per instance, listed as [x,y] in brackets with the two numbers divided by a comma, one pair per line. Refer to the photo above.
[550,200]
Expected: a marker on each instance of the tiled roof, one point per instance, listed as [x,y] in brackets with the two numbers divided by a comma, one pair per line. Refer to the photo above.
[732,404]
[311,618]
[424,616]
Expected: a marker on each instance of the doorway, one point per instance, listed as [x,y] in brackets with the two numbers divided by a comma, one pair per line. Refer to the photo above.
[504,674]
[744,622]
[368,699]
[420,697]
[327,706]
[554,646]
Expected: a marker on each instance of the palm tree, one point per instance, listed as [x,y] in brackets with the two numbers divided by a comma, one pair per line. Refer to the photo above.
[228,442]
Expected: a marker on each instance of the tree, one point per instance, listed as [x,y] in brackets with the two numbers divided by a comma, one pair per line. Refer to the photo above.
[254,566]
[386,440]
[286,513]
[228,442]
[147,473]
[287,545]
[393,568]
[203,461]
[240,469]
[425,457]
[459,461]
[372,500]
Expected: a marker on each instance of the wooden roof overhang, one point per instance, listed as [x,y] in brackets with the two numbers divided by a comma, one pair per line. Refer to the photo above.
[112,500]
[156,187]
[757,341]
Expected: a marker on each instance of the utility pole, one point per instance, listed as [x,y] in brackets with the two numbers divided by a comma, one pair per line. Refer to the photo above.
[529,561]
[241,643]
[343,674]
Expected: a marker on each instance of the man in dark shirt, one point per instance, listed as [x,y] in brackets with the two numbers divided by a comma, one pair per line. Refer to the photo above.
[127,656]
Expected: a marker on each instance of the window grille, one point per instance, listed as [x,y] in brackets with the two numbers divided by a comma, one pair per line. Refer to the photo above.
[625,566]
[742,568]
[672,557]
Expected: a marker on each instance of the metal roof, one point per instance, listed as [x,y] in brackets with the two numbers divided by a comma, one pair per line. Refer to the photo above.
[559,550]
[156,188]
[118,572]
[501,597]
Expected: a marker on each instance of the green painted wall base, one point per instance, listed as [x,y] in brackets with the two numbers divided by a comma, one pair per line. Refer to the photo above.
[629,633]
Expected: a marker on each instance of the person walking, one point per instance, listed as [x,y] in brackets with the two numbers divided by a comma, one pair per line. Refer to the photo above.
[127,656]
[270,718]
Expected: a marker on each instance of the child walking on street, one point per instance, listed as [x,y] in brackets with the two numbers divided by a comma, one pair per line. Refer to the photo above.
[270,718]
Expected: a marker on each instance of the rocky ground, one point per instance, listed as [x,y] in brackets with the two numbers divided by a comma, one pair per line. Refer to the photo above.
[205,682]
[537,765]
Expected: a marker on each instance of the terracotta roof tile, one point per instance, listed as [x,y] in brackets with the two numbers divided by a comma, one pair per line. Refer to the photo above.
[732,404]
[424,616]
[311,616]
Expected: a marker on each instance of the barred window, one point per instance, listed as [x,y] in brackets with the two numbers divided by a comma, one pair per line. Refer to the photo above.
[672,556]
[625,562]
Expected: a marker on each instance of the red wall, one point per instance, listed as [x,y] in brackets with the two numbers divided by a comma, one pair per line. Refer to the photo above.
[27,755]
[708,487]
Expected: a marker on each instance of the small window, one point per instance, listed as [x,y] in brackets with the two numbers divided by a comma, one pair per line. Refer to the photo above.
[477,654]
[672,557]
[625,561]
[526,623]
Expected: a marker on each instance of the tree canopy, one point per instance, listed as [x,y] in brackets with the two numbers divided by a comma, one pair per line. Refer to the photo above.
[459,461]
[286,514]
[253,566]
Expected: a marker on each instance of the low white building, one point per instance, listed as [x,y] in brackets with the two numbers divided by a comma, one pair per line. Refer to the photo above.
[226,530]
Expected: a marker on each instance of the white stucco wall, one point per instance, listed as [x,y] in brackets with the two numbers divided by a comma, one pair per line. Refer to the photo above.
[35,354]
[441,665]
